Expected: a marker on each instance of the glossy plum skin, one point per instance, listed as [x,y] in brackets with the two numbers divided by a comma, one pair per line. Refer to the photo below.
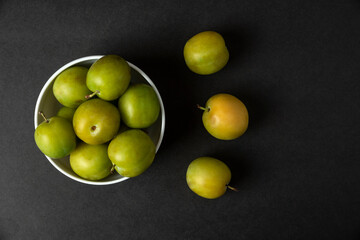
[91,161]
[70,86]
[96,121]
[66,112]
[132,152]
[208,177]
[225,117]
[55,138]
[139,106]
[109,77]
[206,53]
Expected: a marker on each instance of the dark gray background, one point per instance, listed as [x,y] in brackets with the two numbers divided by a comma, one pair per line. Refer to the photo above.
[295,64]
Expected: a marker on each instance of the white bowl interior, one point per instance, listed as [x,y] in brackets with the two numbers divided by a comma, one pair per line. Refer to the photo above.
[47,103]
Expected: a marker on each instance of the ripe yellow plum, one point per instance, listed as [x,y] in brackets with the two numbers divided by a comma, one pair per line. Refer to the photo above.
[225,117]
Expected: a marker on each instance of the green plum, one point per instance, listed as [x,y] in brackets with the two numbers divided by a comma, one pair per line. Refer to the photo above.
[55,137]
[70,86]
[206,53]
[139,106]
[208,177]
[96,121]
[91,161]
[66,112]
[109,77]
[132,152]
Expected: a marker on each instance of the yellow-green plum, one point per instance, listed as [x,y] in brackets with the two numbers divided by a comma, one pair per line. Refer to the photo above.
[206,53]
[91,161]
[70,86]
[109,77]
[55,137]
[208,177]
[139,106]
[96,121]
[132,152]
[66,112]
[225,117]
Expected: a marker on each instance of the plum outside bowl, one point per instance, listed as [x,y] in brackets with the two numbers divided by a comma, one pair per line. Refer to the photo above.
[48,104]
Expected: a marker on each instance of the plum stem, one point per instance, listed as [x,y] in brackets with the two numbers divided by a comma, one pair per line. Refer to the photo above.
[202,108]
[43,115]
[92,94]
[232,188]
[112,170]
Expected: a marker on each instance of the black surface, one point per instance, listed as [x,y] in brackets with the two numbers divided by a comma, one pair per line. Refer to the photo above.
[295,64]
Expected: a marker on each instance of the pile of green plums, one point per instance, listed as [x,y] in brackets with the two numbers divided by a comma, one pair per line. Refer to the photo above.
[96,101]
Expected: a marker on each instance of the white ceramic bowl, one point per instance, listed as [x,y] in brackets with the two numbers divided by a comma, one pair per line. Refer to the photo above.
[47,103]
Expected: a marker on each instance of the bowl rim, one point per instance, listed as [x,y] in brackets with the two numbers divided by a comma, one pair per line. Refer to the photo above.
[74,62]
